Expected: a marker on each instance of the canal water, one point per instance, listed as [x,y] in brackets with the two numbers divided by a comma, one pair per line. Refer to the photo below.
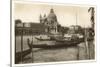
[40,55]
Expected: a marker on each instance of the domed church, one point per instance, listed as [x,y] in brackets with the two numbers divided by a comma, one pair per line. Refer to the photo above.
[50,22]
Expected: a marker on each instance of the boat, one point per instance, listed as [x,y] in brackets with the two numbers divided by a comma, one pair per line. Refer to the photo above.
[50,37]
[70,40]
[42,39]
[54,46]
[57,44]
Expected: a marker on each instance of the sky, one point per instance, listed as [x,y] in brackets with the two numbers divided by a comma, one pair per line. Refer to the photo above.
[66,15]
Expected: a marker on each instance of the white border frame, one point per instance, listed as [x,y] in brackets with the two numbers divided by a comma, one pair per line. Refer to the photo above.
[47,3]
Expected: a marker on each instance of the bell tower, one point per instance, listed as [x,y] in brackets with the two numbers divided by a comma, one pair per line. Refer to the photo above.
[40,18]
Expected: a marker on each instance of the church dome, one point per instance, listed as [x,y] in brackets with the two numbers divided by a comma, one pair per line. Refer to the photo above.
[52,15]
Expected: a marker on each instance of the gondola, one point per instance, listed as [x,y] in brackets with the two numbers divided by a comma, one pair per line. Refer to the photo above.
[56,45]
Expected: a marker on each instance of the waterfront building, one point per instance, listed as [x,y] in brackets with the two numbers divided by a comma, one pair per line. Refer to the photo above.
[48,25]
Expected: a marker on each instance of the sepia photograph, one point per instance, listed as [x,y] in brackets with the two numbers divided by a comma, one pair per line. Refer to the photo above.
[51,32]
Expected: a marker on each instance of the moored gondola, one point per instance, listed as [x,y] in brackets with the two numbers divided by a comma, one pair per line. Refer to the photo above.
[56,45]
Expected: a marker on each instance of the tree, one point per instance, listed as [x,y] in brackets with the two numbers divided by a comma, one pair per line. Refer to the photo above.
[91,9]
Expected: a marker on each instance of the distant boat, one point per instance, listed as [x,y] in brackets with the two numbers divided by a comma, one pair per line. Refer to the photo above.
[67,40]
[43,39]
[50,37]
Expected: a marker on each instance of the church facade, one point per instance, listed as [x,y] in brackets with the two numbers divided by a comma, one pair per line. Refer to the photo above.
[50,21]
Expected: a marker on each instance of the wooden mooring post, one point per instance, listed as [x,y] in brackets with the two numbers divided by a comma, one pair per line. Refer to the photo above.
[15,48]
[22,44]
[86,44]
[78,53]
[32,52]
